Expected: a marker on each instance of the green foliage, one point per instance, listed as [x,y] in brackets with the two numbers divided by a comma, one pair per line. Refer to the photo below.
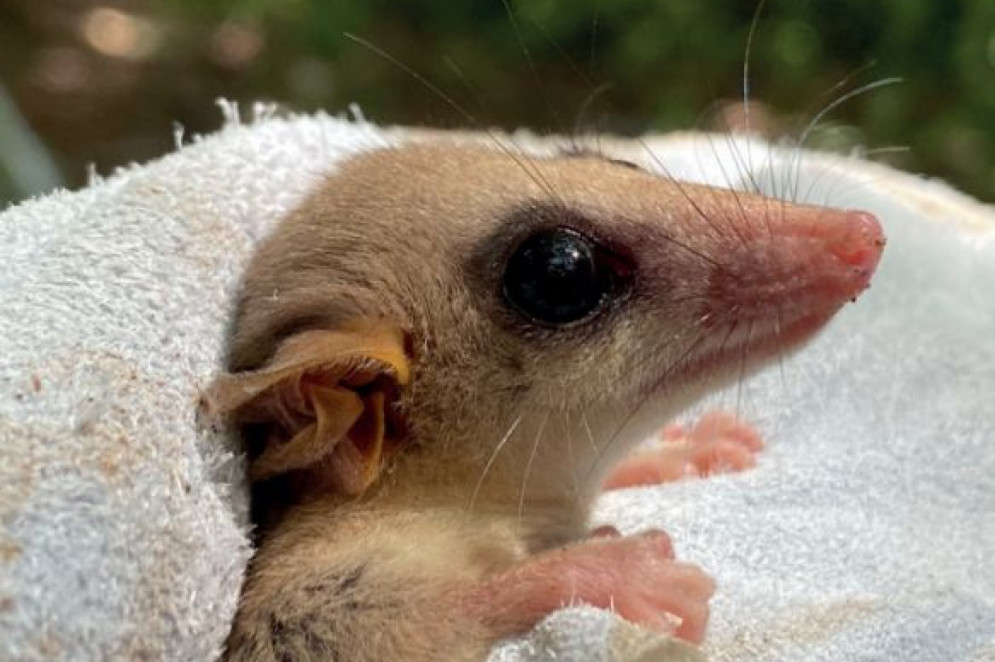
[667,63]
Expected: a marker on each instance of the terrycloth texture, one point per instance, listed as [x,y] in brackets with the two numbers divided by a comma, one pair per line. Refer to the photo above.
[866,533]
[121,536]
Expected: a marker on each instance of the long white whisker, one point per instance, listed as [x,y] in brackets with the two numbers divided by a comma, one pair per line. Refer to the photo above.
[863,89]
[587,429]
[537,79]
[742,371]
[528,466]
[780,358]
[571,461]
[492,459]
[746,81]
[683,191]
[839,85]
[719,161]
[639,405]
[534,173]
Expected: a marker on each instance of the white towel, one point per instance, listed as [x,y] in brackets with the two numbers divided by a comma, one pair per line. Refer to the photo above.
[866,533]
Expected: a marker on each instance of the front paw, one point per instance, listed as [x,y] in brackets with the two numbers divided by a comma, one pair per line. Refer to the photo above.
[718,443]
[635,576]
[639,578]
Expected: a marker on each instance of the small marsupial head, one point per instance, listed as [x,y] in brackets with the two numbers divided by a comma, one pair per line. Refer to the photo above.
[570,297]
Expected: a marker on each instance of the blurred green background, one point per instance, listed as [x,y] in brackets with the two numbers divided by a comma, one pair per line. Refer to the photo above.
[103,82]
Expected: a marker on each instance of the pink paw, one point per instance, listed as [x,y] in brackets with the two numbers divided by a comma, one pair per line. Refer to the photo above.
[635,576]
[718,443]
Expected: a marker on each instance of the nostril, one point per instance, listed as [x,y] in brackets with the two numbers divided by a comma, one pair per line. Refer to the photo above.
[859,240]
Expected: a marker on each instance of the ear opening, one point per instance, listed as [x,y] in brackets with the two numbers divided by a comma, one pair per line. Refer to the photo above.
[327,404]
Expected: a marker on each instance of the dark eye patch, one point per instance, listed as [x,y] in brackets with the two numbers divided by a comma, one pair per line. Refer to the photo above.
[546,267]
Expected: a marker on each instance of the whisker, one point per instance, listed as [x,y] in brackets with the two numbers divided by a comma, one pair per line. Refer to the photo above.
[701,212]
[745,168]
[731,186]
[635,410]
[528,466]
[571,461]
[534,172]
[746,77]
[596,92]
[513,19]
[742,369]
[535,175]
[818,179]
[493,457]
[594,34]
[839,85]
[863,89]
[587,428]
[840,190]
[887,149]
[780,357]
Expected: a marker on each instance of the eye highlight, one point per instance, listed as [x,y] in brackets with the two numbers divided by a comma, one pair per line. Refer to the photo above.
[559,276]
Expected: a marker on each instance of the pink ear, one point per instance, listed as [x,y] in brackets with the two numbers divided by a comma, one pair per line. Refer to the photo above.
[323,398]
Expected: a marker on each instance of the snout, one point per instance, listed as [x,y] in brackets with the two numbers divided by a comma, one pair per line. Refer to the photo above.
[809,262]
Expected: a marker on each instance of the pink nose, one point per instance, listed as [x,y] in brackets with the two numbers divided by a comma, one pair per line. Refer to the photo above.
[856,239]
[808,261]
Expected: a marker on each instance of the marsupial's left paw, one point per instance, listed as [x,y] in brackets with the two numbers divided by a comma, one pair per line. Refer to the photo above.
[718,443]
[635,576]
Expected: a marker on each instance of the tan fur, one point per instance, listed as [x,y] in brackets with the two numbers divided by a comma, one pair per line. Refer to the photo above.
[369,585]
[401,235]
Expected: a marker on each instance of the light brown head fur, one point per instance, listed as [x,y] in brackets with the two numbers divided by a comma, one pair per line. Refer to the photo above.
[508,423]
[418,236]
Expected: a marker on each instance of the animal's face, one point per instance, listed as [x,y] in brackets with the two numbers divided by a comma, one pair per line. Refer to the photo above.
[572,284]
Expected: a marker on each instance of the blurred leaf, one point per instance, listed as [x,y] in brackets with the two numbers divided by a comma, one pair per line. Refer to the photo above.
[667,64]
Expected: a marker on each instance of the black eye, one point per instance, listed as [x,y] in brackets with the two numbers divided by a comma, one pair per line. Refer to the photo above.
[559,276]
